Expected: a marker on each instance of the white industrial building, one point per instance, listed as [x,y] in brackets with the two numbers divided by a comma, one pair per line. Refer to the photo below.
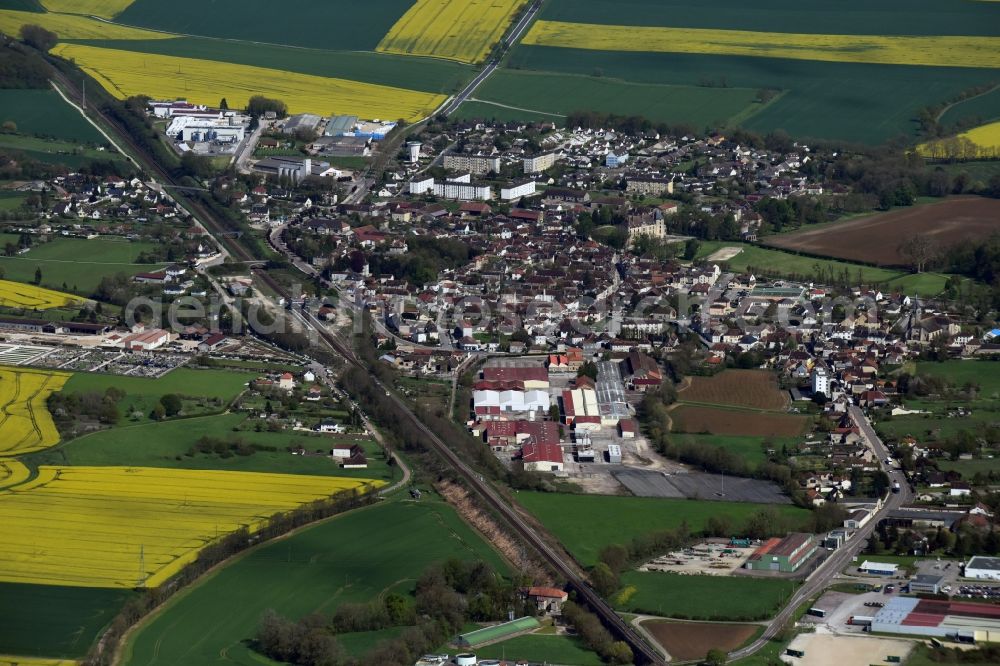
[878,568]
[513,191]
[581,409]
[512,401]
[295,168]
[614,454]
[983,568]
[226,129]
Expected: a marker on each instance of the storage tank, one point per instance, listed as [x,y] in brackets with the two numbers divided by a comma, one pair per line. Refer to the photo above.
[465,659]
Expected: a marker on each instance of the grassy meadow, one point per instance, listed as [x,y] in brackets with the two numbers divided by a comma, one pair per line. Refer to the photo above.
[584,524]
[698,597]
[352,558]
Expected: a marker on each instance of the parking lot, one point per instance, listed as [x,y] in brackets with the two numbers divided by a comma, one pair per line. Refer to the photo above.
[825,649]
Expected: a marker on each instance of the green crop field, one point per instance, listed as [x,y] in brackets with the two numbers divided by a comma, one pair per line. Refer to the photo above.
[768,262]
[698,597]
[983,108]
[586,523]
[748,447]
[51,621]
[352,558]
[501,112]
[547,93]
[55,151]
[437,76]
[166,445]
[78,263]
[851,101]
[44,113]
[334,23]
[11,201]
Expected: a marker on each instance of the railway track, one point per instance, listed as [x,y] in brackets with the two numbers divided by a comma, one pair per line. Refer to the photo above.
[642,651]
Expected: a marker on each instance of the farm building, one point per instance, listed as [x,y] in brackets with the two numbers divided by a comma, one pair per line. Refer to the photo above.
[304,121]
[546,599]
[925,617]
[983,568]
[497,632]
[542,456]
[878,568]
[785,555]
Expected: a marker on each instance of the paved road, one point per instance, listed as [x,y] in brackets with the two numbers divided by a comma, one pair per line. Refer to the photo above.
[246,150]
[839,559]
[491,66]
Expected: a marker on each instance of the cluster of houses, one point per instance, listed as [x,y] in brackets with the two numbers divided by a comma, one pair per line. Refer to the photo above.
[103,205]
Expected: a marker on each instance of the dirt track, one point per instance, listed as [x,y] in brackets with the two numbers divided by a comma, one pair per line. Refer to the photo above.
[876,239]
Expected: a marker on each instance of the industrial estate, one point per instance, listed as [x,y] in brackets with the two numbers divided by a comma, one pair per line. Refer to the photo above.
[468,332]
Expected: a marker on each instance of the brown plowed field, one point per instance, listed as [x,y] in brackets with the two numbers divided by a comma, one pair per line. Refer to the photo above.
[876,239]
[755,389]
[693,640]
[696,419]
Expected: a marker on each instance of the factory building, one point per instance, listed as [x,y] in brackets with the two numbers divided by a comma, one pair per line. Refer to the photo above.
[785,555]
[957,620]
[983,568]
[225,129]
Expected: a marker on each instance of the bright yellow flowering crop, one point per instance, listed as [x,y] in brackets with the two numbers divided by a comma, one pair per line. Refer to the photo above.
[25,422]
[68,26]
[9,660]
[136,527]
[103,8]
[940,51]
[12,473]
[981,142]
[463,30]
[20,295]
[126,73]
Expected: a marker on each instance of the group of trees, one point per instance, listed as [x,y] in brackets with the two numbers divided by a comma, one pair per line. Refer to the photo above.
[595,636]
[447,596]
[71,411]
[19,68]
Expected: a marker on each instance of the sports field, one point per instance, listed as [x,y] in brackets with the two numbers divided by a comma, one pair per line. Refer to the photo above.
[462,30]
[698,597]
[876,239]
[30,297]
[25,422]
[354,557]
[129,527]
[79,264]
[752,389]
[585,524]
[126,73]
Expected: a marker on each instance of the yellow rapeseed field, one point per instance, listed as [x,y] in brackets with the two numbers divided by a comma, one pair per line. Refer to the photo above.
[20,295]
[10,660]
[462,30]
[981,142]
[13,473]
[93,526]
[68,26]
[103,8]
[126,73]
[939,51]
[25,422]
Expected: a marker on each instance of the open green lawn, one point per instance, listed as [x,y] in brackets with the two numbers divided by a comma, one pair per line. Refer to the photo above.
[702,597]
[11,201]
[297,22]
[77,262]
[56,151]
[221,384]
[561,94]
[969,468]
[748,447]
[586,523]
[43,113]
[476,110]
[765,261]
[984,373]
[166,444]
[53,621]
[425,74]
[540,648]
[923,426]
[351,558]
